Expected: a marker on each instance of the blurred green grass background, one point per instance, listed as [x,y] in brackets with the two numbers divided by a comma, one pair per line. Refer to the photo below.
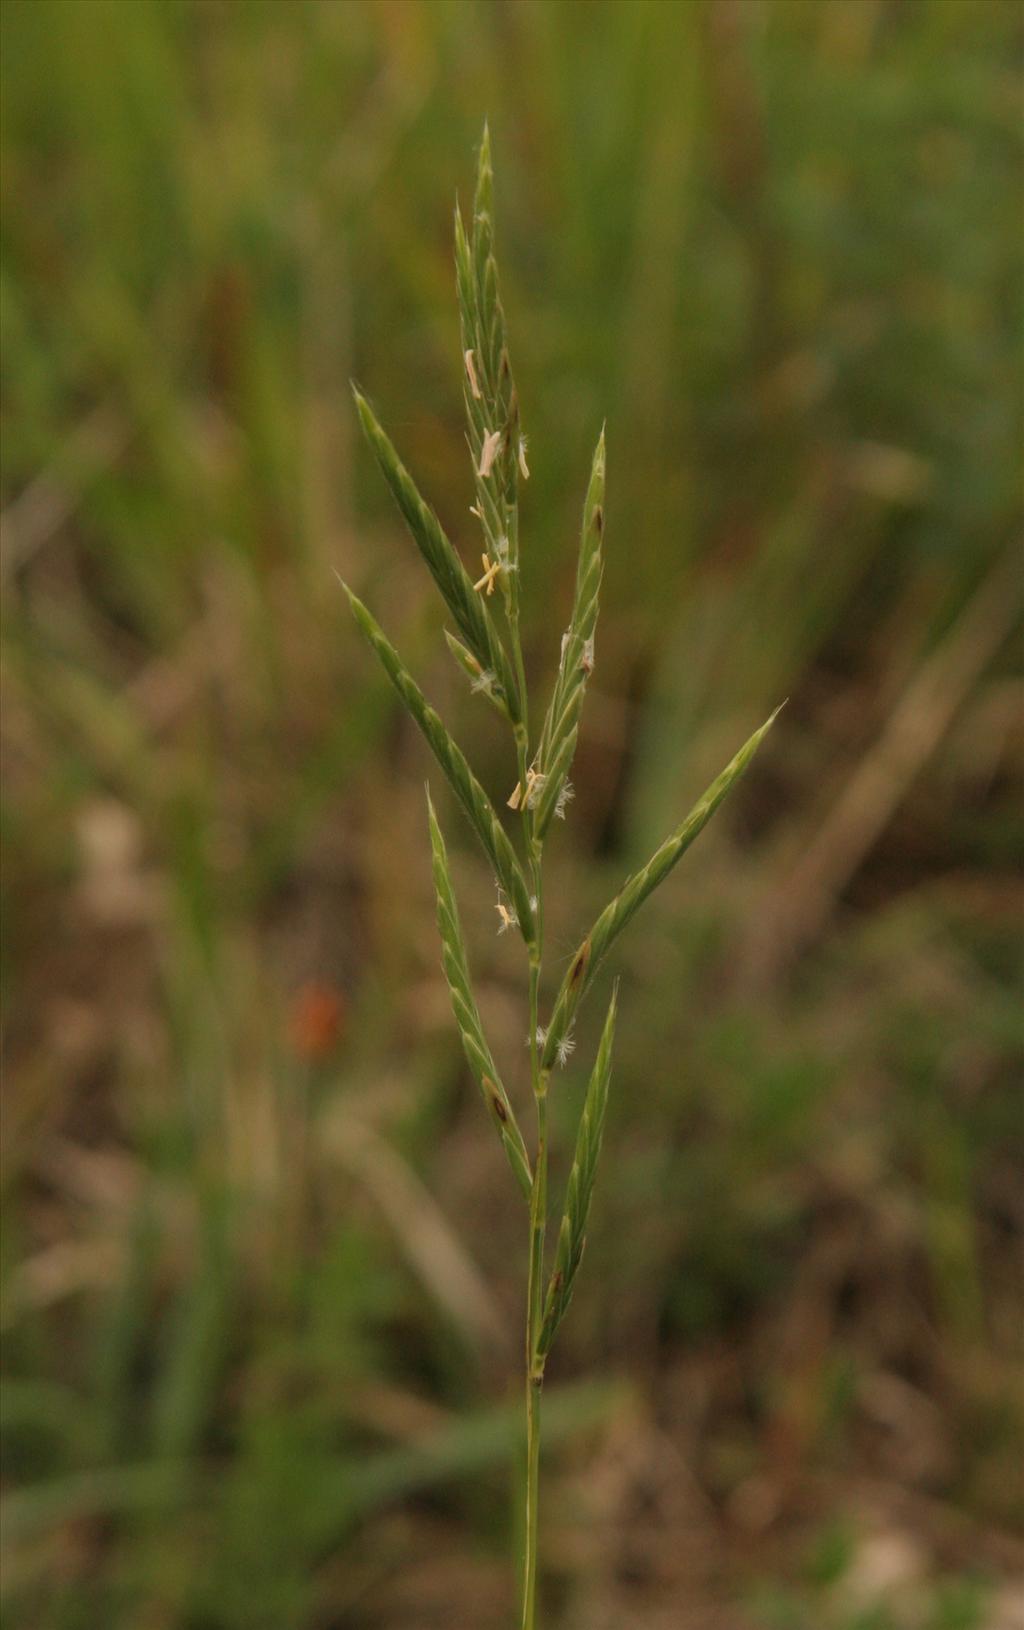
[261,1279]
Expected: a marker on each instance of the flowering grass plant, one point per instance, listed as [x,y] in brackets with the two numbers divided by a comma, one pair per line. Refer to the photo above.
[488,648]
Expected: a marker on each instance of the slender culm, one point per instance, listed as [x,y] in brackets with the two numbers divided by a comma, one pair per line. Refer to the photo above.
[484,606]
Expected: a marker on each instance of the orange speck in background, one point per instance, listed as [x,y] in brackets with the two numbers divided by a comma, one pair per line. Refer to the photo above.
[316,1021]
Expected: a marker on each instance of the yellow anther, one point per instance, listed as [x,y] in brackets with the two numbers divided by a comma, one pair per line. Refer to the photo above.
[488,452]
[491,570]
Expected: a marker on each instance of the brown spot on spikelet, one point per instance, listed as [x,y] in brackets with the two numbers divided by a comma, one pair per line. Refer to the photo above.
[579,967]
[497,1103]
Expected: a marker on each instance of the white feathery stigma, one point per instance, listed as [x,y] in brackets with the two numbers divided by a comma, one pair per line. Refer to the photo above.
[534,787]
[507,916]
[502,548]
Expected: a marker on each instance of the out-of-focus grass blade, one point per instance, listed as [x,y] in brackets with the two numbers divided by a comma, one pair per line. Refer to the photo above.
[447,570]
[572,1234]
[200,1326]
[349,1490]
[634,892]
[467,1017]
[102,1491]
[121,1324]
[464,783]
[561,726]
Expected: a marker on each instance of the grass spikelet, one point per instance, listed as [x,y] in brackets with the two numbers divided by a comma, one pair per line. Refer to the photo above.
[492,406]
[635,890]
[579,1189]
[482,681]
[467,1017]
[561,725]
[447,570]
[463,782]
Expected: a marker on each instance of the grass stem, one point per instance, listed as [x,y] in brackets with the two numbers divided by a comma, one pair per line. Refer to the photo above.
[534,1309]
[535,1285]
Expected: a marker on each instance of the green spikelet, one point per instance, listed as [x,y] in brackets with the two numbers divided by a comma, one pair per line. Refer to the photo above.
[467,1018]
[634,892]
[479,680]
[447,570]
[558,738]
[492,406]
[572,1234]
[464,783]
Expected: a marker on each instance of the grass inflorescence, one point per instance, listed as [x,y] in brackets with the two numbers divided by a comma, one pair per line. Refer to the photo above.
[492,657]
